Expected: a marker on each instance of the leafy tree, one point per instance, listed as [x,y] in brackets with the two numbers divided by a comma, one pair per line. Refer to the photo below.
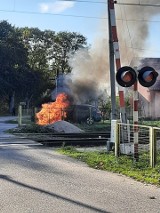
[13,58]
[30,58]
[39,44]
[66,44]
[49,53]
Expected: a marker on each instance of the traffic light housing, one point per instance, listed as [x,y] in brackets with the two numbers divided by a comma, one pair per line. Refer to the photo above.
[126,76]
[147,76]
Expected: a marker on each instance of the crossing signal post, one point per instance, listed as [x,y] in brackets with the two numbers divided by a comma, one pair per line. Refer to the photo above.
[147,76]
[126,77]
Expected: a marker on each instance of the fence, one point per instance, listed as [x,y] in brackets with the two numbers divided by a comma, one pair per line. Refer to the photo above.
[141,143]
[25,115]
[76,114]
[49,114]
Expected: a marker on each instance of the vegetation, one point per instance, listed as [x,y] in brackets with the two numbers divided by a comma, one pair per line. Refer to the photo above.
[30,59]
[150,123]
[122,165]
[103,126]
[32,128]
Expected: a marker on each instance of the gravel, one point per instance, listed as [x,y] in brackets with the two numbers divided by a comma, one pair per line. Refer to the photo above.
[64,127]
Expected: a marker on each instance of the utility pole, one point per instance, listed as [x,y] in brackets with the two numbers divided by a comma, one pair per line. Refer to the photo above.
[112,70]
[114,57]
[114,46]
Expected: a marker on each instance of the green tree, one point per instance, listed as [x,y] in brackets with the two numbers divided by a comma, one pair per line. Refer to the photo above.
[13,58]
[30,58]
[48,54]
[66,44]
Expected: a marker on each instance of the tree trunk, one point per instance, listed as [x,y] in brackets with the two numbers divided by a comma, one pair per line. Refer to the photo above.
[12,103]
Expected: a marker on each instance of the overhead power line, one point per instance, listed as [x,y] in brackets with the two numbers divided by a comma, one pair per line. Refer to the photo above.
[84,1]
[143,49]
[139,4]
[53,14]
[105,2]
[77,16]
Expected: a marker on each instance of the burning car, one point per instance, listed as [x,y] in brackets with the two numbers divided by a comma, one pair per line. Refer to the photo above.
[63,109]
[83,113]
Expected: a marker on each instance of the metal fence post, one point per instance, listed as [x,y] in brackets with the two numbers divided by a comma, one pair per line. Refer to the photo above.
[117,140]
[19,115]
[34,114]
[62,114]
[152,147]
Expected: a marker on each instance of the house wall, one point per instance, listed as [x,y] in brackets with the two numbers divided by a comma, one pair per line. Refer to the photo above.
[150,108]
[144,101]
[145,92]
[156,103]
[144,107]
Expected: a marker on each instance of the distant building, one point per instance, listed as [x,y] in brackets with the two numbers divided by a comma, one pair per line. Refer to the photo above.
[149,97]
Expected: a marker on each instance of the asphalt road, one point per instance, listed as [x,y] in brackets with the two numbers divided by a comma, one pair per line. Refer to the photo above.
[36,179]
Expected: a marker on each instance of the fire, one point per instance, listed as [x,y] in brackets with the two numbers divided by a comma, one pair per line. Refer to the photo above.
[54,111]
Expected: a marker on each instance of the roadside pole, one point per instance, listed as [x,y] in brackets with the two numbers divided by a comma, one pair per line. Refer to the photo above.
[112,70]
[114,58]
[135,119]
[114,40]
[112,81]
[20,115]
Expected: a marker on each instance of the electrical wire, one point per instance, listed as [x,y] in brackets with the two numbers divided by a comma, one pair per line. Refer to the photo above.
[78,16]
[124,19]
[143,49]
[53,14]
[140,4]
[128,31]
[124,28]
[118,3]
[83,1]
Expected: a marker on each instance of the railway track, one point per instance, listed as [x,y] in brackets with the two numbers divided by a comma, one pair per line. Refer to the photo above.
[58,139]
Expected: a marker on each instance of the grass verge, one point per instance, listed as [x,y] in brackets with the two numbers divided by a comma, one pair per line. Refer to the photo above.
[125,165]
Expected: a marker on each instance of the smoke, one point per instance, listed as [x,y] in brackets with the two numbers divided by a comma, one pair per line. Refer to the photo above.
[89,72]
[90,75]
[133,24]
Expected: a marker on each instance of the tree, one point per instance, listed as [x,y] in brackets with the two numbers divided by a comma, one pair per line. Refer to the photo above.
[48,54]
[65,45]
[13,58]
[29,58]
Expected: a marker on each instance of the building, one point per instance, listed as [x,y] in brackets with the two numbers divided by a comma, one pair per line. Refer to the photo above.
[149,97]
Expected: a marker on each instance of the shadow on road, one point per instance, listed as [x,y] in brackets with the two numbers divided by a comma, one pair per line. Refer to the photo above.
[7,178]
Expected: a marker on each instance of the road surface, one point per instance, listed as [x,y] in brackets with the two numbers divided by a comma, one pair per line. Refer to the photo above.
[37,179]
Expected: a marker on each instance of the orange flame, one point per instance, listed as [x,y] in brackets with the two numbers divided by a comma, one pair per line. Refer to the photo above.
[54,111]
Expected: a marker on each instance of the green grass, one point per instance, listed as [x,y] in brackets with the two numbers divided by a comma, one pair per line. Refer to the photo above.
[123,165]
[151,123]
[96,126]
